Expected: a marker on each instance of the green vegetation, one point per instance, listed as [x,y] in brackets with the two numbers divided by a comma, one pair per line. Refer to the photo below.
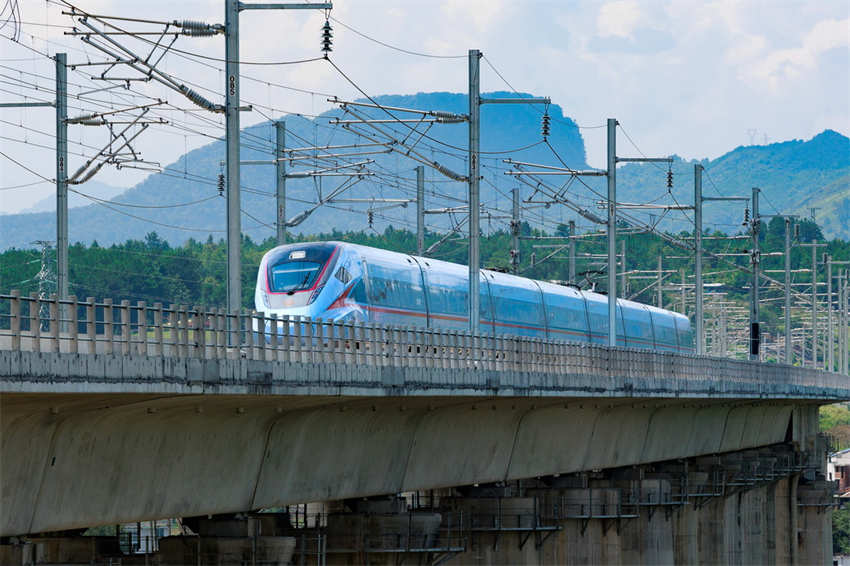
[194,273]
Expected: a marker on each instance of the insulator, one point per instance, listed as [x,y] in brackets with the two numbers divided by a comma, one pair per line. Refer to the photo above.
[447,115]
[533,258]
[198,29]
[669,178]
[371,216]
[796,231]
[221,184]
[200,100]
[545,126]
[746,217]
[91,122]
[327,34]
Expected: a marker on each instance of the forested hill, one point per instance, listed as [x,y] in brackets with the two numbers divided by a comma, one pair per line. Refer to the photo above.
[794,177]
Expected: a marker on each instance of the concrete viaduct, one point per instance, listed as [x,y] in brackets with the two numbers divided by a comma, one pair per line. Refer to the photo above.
[122,413]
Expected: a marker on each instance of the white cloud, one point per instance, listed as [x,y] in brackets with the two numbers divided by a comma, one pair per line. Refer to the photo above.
[618,19]
[695,94]
[790,63]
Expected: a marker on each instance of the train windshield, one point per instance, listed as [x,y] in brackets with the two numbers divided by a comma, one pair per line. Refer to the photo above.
[298,269]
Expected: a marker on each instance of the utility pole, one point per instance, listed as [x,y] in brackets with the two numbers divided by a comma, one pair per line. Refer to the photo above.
[789,353]
[623,276]
[842,323]
[61,175]
[515,231]
[60,104]
[814,305]
[612,232]
[612,222]
[698,288]
[474,178]
[698,282]
[280,179]
[755,330]
[474,188]
[420,210]
[659,299]
[829,353]
[814,349]
[572,251]
[831,330]
[682,274]
[231,112]
[843,350]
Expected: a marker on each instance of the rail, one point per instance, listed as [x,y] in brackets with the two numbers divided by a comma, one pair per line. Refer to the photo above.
[31,323]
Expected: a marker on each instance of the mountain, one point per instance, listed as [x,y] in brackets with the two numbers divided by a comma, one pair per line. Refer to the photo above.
[93,188]
[794,176]
[183,201]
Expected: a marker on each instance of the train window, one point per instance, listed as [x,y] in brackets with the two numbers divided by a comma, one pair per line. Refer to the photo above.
[290,270]
[665,331]
[567,317]
[358,292]
[597,311]
[293,276]
[686,336]
[638,327]
[519,310]
[343,274]
[398,287]
[447,293]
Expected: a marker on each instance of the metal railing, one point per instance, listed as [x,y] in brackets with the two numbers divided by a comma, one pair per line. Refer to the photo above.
[178,331]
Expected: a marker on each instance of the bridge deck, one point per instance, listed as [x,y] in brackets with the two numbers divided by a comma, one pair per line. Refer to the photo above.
[101,347]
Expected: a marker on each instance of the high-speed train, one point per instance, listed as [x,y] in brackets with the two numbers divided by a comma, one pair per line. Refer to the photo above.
[348,282]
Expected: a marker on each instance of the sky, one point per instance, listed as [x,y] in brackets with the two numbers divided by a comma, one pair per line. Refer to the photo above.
[695,79]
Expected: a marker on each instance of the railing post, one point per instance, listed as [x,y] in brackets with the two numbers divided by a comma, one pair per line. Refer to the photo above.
[125,327]
[372,358]
[287,338]
[220,333]
[321,345]
[261,334]
[249,333]
[273,336]
[73,328]
[338,337]
[298,321]
[358,343]
[314,339]
[53,322]
[91,324]
[107,325]
[142,327]
[188,350]
[159,346]
[445,348]
[15,319]
[200,332]
[35,321]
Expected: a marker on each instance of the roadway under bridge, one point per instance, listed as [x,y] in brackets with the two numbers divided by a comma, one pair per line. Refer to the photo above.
[123,413]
